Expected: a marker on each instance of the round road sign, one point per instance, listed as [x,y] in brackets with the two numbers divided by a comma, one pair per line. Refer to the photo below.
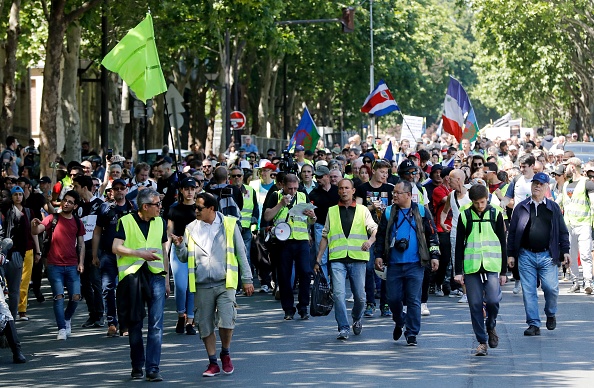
[237,120]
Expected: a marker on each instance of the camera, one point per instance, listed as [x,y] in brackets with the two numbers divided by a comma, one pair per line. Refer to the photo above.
[401,245]
[287,164]
[109,153]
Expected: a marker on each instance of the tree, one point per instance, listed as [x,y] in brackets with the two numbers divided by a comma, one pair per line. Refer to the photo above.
[7,116]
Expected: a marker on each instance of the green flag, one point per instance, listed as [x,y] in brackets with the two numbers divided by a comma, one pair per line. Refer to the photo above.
[136,60]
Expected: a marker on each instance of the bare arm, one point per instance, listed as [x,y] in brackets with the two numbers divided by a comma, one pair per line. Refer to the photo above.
[37,227]
[95,245]
[444,214]
[80,249]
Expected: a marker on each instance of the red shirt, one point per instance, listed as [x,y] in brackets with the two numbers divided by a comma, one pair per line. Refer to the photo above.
[439,193]
[63,247]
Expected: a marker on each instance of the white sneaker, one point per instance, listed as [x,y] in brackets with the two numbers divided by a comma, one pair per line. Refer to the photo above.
[517,287]
[351,299]
[456,293]
[404,309]
[588,287]
[439,292]
[425,310]
[464,299]
[265,289]
[68,328]
[62,334]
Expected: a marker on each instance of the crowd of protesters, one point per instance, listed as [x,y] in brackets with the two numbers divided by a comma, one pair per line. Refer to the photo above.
[104,227]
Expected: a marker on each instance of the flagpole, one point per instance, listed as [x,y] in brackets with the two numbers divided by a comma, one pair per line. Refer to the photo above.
[371,70]
[172,138]
[408,126]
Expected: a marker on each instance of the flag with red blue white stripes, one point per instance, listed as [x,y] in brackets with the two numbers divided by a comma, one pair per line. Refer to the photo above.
[380,102]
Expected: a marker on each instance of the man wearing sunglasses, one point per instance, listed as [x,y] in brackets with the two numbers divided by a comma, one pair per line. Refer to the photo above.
[103,236]
[140,243]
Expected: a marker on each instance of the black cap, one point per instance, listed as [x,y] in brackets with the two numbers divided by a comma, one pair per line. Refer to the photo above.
[118,182]
[446,171]
[406,165]
[188,182]
[45,179]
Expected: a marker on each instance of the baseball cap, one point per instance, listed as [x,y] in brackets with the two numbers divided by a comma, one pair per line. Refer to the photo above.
[299,148]
[45,179]
[575,161]
[415,155]
[446,171]
[512,148]
[118,182]
[188,182]
[245,164]
[16,189]
[269,166]
[541,177]
[321,171]
[560,170]
[241,149]
[436,167]
[406,165]
[23,179]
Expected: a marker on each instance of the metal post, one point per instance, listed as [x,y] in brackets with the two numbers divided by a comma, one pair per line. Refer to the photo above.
[371,81]
[285,112]
[104,81]
[226,118]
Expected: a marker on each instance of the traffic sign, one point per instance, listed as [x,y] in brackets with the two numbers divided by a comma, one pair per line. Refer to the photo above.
[238,120]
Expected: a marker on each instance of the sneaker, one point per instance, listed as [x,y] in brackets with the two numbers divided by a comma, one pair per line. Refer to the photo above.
[386,311]
[89,323]
[464,299]
[265,289]
[369,310]
[154,376]
[532,331]
[481,350]
[112,331]
[190,330]
[517,287]
[179,327]
[62,334]
[23,317]
[397,333]
[551,323]
[493,338]
[411,340]
[227,364]
[289,315]
[425,310]
[404,309]
[136,373]
[39,296]
[343,335]
[212,370]
[357,327]
[304,315]
[432,289]
[587,289]
[68,328]
[99,323]
[439,292]
[351,299]
[575,287]
[455,293]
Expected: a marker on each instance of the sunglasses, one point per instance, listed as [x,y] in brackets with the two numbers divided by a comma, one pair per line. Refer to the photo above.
[410,172]
[200,208]
[200,181]
[158,204]
[590,176]
[120,188]
[477,164]
[236,176]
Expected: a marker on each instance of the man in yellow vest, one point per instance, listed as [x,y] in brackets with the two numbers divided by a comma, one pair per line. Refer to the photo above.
[213,248]
[480,263]
[345,234]
[296,248]
[577,202]
[143,270]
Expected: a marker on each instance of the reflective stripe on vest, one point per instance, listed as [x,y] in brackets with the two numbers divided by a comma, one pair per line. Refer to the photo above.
[135,240]
[298,226]
[232,273]
[341,246]
[577,208]
[247,213]
[482,245]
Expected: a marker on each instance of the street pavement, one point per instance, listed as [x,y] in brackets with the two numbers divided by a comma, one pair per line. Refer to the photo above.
[268,351]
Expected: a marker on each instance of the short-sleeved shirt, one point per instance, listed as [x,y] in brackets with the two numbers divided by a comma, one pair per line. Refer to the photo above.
[181,215]
[323,200]
[88,213]
[107,220]
[369,193]
[63,246]
[440,193]
[144,228]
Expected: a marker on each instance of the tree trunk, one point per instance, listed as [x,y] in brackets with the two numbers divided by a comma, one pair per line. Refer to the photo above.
[116,130]
[211,125]
[70,114]
[157,123]
[12,37]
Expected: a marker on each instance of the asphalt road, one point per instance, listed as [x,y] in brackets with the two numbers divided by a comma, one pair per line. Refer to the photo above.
[268,351]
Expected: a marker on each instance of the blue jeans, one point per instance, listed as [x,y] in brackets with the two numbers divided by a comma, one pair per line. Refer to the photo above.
[373,282]
[477,291]
[109,282]
[318,238]
[184,299]
[356,274]
[60,277]
[531,266]
[156,305]
[294,252]
[403,284]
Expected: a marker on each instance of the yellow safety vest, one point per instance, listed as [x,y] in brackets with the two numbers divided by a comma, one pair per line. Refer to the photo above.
[341,246]
[482,245]
[298,226]
[232,273]
[577,208]
[247,212]
[135,240]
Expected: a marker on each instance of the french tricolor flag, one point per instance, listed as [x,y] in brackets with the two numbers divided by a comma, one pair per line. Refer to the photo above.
[380,102]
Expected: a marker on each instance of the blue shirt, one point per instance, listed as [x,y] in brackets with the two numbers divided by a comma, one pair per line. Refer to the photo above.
[403,229]
[250,148]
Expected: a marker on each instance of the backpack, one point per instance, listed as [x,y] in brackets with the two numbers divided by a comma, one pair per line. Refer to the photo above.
[468,213]
[49,232]
[227,204]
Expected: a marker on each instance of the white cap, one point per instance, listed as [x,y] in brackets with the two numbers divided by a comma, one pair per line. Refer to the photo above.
[263,162]
[245,164]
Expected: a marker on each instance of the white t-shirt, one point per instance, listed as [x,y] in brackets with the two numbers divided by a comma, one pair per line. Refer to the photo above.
[522,189]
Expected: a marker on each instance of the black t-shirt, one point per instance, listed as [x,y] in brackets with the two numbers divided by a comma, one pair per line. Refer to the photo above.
[272,200]
[369,193]
[144,228]
[168,187]
[323,200]
[181,215]
[109,214]
[539,226]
